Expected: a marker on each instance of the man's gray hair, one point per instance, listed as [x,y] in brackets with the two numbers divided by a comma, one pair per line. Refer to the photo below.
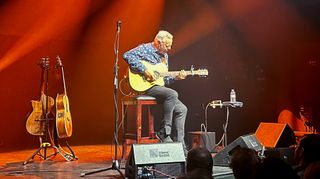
[163,35]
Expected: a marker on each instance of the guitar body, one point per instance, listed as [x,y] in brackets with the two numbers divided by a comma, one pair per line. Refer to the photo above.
[63,116]
[34,124]
[139,83]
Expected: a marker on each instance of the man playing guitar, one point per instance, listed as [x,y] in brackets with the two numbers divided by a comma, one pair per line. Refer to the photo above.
[156,53]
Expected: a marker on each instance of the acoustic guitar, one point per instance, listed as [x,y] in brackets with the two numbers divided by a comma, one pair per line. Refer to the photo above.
[63,115]
[140,83]
[35,123]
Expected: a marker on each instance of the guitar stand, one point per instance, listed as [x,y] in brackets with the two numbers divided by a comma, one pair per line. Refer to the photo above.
[49,134]
[57,150]
[43,155]
[66,155]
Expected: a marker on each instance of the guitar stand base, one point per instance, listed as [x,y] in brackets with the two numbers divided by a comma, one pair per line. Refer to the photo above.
[58,150]
[67,156]
[115,166]
[43,156]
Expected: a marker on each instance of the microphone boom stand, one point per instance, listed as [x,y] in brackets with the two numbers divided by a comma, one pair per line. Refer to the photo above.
[115,162]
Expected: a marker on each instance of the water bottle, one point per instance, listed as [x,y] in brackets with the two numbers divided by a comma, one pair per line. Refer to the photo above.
[232,96]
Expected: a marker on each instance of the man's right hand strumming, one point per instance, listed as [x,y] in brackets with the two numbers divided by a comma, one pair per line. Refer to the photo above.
[150,76]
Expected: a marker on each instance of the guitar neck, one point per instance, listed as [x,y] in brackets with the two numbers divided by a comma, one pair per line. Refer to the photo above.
[63,81]
[176,73]
[42,83]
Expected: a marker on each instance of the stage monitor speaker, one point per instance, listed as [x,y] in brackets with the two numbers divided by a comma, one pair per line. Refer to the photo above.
[161,160]
[223,157]
[284,153]
[273,135]
[203,139]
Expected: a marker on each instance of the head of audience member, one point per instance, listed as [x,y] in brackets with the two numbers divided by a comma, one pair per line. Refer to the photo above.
[307,150]
[312,171]
[274,168]
[243,161]
[199,159]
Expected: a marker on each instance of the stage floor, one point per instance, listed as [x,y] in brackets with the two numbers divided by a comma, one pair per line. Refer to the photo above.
[90,158]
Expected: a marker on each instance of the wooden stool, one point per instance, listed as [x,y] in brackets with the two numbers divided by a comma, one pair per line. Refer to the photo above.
[138,102]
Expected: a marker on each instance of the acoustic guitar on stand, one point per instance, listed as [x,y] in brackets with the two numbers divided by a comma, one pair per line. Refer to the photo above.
[35,123]
[140,84]
[63,115]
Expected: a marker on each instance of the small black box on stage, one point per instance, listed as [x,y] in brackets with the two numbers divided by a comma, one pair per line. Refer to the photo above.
[203,139]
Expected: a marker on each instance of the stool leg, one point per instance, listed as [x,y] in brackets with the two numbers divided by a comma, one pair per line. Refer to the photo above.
[150,123]
[124,150]
[138,122]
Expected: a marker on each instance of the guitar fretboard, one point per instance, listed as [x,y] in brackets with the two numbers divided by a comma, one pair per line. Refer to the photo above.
[176,73]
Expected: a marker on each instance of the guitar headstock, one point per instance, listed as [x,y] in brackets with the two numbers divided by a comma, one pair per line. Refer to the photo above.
[59,62]
[201,72]
[44,63]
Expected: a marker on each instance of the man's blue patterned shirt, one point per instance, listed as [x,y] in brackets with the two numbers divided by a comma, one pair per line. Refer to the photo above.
[149,53]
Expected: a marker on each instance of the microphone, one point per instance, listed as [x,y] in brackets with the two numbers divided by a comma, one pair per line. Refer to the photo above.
[118,25]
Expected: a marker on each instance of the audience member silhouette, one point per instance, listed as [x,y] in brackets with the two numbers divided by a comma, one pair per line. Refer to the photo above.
[199,164]
[307,152]
[274,168]
[243,162]
[312,171]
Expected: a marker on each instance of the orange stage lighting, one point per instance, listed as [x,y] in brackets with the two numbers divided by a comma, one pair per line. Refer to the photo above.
[35,26]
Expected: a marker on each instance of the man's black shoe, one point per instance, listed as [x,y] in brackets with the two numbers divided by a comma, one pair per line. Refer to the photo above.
[163,138]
